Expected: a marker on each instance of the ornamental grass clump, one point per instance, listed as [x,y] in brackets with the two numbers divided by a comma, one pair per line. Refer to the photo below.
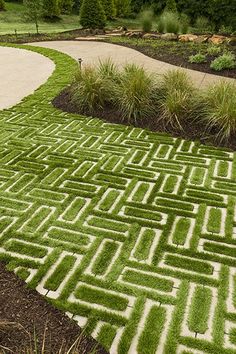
[108,70]
[220,110]
[91,90]
[147,20]
[171,22]
[134,95]
[177,99]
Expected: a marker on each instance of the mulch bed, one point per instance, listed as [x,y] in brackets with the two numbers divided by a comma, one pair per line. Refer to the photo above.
[178,57]
[193,131]
[25,314]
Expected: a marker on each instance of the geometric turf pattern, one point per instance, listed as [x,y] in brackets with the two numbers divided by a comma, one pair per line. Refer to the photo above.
[132,233]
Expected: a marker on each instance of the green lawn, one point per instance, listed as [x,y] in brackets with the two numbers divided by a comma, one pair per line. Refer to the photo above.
[13,19]
[132,233]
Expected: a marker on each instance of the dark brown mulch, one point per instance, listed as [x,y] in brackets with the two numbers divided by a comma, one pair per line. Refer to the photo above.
[193,131]
[179,56]
[25,314]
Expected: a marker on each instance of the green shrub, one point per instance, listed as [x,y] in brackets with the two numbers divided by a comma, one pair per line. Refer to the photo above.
[177,98]
[197,58]
[134,95]
[171,22]
[123,8]
[226,30]
[220,110]
[109,8]
[214,50]
[51,9]
[92,14]
[202,24]
[90,91]
[225,61]
[66,6]
[146,20]
[171,6]
[2,5]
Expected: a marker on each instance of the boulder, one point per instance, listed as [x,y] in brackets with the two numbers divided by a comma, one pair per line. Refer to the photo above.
[134,34]
[232,41]
[151,36]
[169,36]
[187,37]
[201,39]
[217,39]
[118,30]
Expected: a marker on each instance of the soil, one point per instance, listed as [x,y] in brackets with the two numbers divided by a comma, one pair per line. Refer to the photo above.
[193,131]
[177,53]
[25,315]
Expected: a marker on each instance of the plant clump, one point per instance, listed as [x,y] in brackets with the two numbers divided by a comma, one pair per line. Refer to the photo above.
[223,62]
[92,14]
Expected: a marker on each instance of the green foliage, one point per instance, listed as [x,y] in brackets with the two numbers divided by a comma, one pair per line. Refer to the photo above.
[171,22]
[202,24]
[33,11]
[161,24]
[184,23]
[123,8]
[108,70]
[171,6]
[91,90]
[66,6]
[223,62]
[51,9]
[197,58]
[176,99]
[220,109]
[2,5]
[147,19]
[214,50]
[92,14]
[134,94]
[109,8]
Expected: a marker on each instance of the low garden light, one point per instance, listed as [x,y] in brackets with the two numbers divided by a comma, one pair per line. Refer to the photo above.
[80,60]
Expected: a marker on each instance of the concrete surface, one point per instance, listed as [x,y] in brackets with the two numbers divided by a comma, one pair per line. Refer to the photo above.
[21,73]
[91,52]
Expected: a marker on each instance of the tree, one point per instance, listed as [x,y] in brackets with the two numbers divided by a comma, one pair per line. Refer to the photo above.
[2,5]
[66,6]
[33,11]
[171,6]
[92,14]
[77,4]
[123,8]
[51,8]
[109,8]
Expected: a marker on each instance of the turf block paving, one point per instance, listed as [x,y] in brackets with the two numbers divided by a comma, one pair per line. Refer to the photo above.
[131,233]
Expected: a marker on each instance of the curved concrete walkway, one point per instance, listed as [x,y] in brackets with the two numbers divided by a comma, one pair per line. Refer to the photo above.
[21,73]
[92,51]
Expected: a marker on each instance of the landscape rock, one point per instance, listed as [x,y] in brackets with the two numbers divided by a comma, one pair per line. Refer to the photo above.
[118,30]
[201,39]
[151,36]
[169,37]
[232,41]
[134,34]
[217,39]
[187,37]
